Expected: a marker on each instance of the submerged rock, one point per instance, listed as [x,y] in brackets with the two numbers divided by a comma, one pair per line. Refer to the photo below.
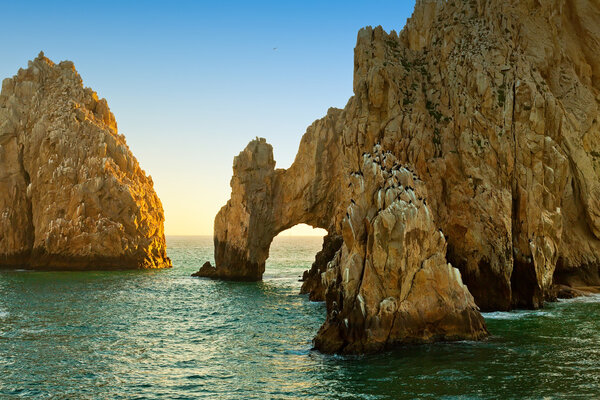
[493,109]
[72,196]
[206,271]
[570,292]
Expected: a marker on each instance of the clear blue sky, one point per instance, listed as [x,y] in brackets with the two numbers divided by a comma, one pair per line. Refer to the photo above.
[191,82]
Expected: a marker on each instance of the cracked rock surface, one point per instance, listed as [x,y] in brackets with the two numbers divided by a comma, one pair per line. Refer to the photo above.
[72,195]
[391,283]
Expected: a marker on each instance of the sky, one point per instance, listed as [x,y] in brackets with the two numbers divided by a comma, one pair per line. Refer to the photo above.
[192,82]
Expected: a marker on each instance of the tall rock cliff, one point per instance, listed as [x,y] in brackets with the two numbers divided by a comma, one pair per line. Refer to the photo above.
[72,196]
[494,106]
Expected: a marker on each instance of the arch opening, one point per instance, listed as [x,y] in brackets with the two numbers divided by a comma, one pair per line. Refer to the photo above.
[302,230]
[292,249]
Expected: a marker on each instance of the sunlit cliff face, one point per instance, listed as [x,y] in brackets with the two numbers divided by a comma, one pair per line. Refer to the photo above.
[72,194]
[491,107]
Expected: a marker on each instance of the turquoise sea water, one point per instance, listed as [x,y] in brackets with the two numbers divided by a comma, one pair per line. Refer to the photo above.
[165,335]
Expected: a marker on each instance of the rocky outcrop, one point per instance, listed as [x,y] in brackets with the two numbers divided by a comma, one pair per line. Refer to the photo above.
[312,284]
[495,106]
[391,282]
[206,271]
[266,201]
[72,196]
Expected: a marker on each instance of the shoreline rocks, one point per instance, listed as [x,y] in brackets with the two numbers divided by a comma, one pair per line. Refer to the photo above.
[206,271]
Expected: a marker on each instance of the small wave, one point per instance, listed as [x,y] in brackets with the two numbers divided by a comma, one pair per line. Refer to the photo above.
[4,314]
[297,352]
[592,298]
[508,315]
[27,331]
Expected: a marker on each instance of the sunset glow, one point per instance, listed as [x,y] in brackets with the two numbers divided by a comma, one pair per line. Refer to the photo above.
[191,85]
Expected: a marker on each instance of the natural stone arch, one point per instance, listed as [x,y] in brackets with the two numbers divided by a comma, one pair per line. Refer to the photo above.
[382,270]
[266,201]
[514,190]
[308,241]
[507,152]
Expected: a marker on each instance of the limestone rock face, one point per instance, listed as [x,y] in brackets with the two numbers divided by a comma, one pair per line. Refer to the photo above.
[72,196]
[391,282]
[495,106]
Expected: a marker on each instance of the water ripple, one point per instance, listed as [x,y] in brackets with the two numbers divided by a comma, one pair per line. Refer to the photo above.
[165,335]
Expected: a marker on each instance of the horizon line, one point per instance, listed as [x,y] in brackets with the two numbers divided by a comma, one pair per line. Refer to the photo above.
[199,235]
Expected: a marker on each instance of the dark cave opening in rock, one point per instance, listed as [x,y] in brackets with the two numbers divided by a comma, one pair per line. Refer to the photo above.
[581,277]
[490,291]
[526,292]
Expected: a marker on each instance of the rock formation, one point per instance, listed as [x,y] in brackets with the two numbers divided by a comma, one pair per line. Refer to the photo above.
[391,282]
[495,107]
[312,282]
[72,196]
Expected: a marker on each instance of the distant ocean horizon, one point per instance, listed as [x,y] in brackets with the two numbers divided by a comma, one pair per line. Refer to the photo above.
[276,237]
[162,334]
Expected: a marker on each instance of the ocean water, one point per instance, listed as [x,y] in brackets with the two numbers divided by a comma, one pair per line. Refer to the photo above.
[165,335]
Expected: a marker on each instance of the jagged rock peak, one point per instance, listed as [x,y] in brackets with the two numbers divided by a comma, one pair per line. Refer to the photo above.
[391,283]
[72,196]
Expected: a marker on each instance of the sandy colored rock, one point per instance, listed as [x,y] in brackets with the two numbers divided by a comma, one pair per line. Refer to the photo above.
[494,106]
[72,196]
[391,282]
[266,201]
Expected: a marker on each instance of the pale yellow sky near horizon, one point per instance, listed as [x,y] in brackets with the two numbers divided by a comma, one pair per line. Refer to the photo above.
[189,96]
[202,97]
[191,83]
[296,231]
[179,221]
